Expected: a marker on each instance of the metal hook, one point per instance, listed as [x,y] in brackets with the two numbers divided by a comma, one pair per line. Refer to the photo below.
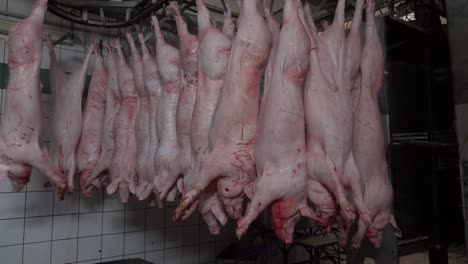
[224,5]
[100,43]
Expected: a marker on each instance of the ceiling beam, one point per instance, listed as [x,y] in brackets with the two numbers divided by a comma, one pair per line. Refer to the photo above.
[98,4]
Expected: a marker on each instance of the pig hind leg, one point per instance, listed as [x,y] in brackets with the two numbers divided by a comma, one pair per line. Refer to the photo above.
[322,167]
[354,178]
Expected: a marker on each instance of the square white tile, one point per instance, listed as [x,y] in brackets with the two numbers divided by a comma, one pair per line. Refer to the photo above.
[112,245]
[134,203]
[169,213]
[12,232]
[69,205]
[190,255]
[90,224]
[207,253]
[154,218]
[173,237]
[154,240]
[89,248]
[12,205]
[92,204]
[134,243]
[221,245]
[5,185]
[38,229]
[65,226]
[37,253]
[12,255]
[156,257]
[112,202]
[36,184]
[190,235]
[193,219]
[173,256]
[134,220]
[64,251]
[228,232]
[39,203]
[113,222]
[205,235]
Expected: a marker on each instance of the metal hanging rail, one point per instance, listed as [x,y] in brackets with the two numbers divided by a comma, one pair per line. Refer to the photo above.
[135,11]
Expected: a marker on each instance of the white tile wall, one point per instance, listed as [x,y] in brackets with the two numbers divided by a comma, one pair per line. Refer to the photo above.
[65,226]
[12,254]
[35,228]
[12,231]
[112,245]
[190,255]
[37,253]
[134,242]
[89,248]
[64,251]
[90,224]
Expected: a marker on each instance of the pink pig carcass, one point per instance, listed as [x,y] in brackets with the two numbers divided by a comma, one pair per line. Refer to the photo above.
[213,60]
[280,145]
[332,171]
[368,142]
[274,27]
[20,129]
[167,58]
[122,170]
[153,88]
[67,118]
[89,147]
[113,99]
[230,162]
[142,122]
[188,54]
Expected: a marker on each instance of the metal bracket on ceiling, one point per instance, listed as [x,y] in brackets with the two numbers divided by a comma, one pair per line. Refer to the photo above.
[84,14]
[70,35]
[102,15]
